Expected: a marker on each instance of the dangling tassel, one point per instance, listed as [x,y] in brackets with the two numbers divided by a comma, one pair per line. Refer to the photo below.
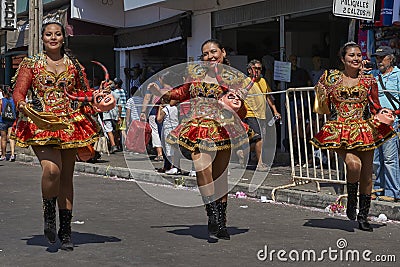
[49,216]
[212,213]
[362,217]
[222,230]
[64,234]
[352,189]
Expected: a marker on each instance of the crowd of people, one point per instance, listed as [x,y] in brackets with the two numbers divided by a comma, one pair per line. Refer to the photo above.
[224,113]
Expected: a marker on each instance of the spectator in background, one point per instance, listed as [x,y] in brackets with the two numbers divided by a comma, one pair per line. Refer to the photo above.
[317,70]
[7,118]
[168,116]
[298,78]
[136,76]
[121,106]
[148,72]
[386,157]
[110,120]
[184,113]
[256,104]
[168,119]
[133,108]
[268,64]
[155,126]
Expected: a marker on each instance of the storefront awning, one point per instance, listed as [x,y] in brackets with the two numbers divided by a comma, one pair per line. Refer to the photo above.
[148,45]
[159,33]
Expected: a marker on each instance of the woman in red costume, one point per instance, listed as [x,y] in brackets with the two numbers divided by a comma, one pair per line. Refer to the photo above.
[46,78]
[349,97]
[211,129]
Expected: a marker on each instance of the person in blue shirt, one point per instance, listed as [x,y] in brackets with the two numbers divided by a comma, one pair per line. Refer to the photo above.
[386,157]
[8,115]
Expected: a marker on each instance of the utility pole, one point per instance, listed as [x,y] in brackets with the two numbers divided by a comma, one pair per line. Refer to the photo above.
[35,25]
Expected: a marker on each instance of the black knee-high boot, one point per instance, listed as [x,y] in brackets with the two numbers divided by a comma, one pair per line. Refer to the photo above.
[212,213]
[222,230]
[362,217]
[352,200]
[64,234]
[49,215]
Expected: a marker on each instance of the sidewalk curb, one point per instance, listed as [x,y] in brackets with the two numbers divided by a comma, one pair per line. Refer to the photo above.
[296,197]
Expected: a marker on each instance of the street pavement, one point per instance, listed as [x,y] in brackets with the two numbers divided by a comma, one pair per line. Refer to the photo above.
[116,223]
[140,167]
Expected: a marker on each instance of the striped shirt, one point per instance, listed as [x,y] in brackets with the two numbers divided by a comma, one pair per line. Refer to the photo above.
[134,104]
[121,101]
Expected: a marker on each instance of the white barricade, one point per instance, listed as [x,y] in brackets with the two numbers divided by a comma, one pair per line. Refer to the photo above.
[307,162]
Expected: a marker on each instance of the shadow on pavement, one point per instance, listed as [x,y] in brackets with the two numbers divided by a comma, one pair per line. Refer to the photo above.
[199,231]
[77,239]
[334,223]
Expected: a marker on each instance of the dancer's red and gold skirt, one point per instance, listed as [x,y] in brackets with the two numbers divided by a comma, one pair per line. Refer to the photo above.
[360,135]
[82,130]
[210,135]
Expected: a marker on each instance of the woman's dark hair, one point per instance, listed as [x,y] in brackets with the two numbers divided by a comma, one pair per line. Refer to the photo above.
[67,52]
[220,46]
[346,46]
[118,82]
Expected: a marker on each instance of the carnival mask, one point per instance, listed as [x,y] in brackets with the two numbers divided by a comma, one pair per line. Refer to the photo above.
[103,100]
[385,116]
[231,100]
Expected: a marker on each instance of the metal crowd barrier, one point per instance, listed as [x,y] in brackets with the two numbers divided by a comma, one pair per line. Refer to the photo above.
[308,164]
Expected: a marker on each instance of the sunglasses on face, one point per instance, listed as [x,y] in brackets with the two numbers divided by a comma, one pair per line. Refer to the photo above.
[257,68]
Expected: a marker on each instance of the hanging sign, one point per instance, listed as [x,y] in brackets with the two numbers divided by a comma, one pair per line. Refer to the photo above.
[8,10]
[282,71]
[356,9]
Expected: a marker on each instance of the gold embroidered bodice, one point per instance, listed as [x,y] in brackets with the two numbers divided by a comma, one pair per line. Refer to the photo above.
[46,86]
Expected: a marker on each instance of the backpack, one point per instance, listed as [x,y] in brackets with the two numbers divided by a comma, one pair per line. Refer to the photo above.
[8,111]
